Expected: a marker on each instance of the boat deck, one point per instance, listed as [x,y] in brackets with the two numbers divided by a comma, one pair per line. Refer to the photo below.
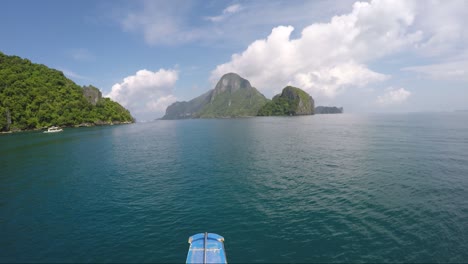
[206,248]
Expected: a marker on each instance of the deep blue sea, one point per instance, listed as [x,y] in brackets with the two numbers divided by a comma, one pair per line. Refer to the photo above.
[323,188]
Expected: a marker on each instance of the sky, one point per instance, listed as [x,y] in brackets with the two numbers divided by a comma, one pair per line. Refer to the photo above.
[366,56]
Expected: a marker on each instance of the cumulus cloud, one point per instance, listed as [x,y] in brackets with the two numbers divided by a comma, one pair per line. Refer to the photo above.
[226,13]
[443,24]
[146,92]
[330,81]
[393,96]
[327,57]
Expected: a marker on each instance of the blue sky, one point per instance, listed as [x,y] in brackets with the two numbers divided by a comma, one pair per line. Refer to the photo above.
[368,56]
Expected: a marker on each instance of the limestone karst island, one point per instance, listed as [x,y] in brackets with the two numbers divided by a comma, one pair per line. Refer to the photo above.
[234,96]
[33,96]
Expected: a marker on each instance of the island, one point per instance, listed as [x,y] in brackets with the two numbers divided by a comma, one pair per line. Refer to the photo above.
[233,96]
[328,110]
[34,96]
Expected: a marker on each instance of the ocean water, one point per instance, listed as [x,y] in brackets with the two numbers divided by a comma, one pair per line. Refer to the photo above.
[324,188]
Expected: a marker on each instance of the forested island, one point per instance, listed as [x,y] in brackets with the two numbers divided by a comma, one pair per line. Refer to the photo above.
[33,96]
[233,96]
[328,110]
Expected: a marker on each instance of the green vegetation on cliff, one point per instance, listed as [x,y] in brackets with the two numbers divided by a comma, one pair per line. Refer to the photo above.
[34,96]
[291,101]
[233,96]
[243,102]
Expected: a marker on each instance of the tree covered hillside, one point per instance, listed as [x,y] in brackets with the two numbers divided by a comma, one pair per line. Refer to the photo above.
[34,96]
[233,96]
[291,101]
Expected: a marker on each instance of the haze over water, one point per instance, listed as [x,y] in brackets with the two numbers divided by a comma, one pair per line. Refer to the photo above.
[323,188]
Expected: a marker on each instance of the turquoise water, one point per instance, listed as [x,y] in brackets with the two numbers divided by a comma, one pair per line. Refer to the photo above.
[325,188]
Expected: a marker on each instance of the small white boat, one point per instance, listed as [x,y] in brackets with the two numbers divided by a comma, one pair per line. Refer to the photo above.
[53,129]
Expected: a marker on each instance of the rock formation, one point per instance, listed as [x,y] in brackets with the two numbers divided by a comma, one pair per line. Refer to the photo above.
[92,94]
[233,96]
[291,101]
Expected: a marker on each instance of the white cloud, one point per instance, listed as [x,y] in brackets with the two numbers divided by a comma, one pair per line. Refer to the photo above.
[440,23]
[146,92]
[228,11]
[331,81]
[443,24]
[327,57]
[160,22]
[175,22]
[232,9]
[161,103]
[453,70]
[393,96]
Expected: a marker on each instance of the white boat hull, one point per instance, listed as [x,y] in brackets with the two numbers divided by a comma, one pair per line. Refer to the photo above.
[53,131]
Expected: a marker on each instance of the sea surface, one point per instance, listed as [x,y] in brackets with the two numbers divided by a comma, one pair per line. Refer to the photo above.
[323,188]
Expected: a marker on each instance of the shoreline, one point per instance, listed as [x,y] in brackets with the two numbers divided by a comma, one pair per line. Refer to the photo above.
[73,126]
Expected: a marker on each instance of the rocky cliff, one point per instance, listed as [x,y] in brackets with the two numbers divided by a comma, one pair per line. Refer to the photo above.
[92,94]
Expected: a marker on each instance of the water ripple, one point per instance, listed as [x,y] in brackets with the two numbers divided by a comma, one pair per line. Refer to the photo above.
[333,188]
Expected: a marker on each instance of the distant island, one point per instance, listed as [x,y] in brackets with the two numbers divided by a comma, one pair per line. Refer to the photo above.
[234,96]
[328,110]
[33,96]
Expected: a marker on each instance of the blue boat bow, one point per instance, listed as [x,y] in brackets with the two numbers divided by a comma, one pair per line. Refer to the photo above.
[206,248]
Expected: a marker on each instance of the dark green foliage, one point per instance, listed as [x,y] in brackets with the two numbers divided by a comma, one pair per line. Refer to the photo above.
[108,111]
[277,107]
[3,118]
[291,101]
[36,96]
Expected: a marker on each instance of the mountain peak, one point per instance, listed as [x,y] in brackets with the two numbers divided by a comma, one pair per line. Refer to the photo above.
[231,82]
[233,96]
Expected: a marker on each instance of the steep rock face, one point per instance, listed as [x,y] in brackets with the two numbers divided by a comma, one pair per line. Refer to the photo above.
[233,96]
[328,110]
[291,101]
[231,83]
[302,101]
[92,94]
